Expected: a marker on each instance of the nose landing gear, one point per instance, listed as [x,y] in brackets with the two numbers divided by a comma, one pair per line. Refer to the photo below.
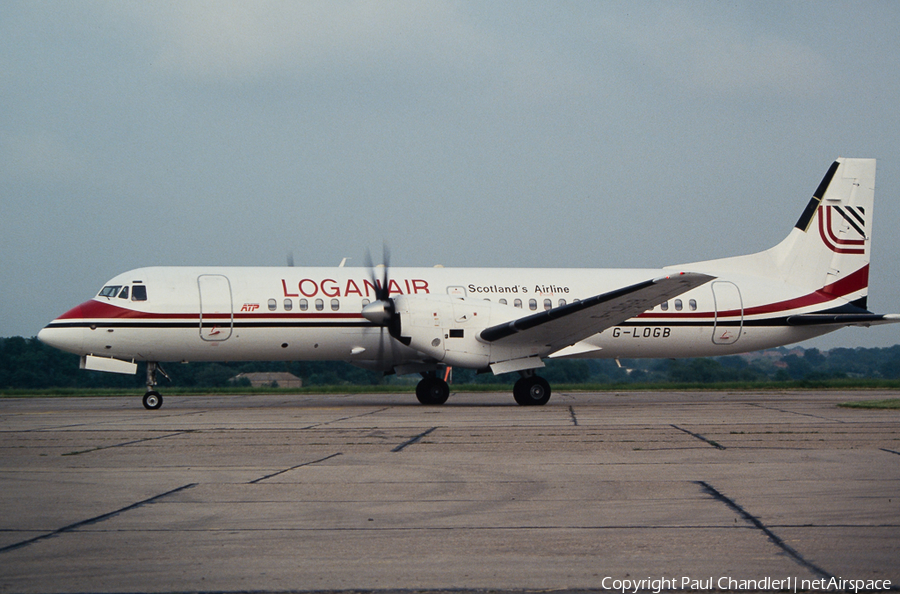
[153,399]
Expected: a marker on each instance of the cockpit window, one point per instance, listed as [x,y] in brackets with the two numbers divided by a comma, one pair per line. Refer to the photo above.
[110,291]
[124,293]
[139,293]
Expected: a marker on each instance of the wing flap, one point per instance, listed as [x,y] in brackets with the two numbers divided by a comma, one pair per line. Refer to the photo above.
[566,325]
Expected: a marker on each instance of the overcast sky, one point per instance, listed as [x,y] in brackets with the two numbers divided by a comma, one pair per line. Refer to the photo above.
[583,134]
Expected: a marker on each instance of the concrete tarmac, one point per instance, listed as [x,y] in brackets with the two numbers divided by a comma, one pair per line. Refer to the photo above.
[375,492]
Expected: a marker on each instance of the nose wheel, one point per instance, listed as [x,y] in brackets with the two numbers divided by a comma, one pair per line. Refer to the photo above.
[152,400]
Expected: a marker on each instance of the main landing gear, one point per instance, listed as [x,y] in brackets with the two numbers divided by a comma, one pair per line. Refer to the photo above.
[531,390]
[432,390]
[153,399]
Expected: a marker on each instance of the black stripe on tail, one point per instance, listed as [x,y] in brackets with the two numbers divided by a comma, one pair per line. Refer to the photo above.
[806,217]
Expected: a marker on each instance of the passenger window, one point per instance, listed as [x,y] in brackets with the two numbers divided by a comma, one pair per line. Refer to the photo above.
[664,306]
[548,304]
[288,305]
[366,302]
[320,305]
[335,304]
[503,301]
[139,293]
[518,303]
[303,304]
[678,305]
[693,304]
[124,293]
[272,304]
[562,302]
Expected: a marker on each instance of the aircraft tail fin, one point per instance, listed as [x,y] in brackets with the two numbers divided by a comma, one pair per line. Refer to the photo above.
[828,250]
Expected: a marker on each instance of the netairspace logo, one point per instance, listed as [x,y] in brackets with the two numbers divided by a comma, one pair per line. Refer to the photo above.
[725,583]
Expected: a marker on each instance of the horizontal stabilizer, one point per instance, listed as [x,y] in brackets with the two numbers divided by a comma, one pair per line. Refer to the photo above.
[864,319]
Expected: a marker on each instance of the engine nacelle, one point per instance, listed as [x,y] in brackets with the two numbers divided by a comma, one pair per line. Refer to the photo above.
[447,328]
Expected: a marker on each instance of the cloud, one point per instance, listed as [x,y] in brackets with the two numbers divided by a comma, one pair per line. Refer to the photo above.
[240,40]
[416,45]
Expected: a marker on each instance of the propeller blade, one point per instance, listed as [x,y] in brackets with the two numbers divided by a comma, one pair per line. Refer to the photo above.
[382,285]
[386,262]
[382,311]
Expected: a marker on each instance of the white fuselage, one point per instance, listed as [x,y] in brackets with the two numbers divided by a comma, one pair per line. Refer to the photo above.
[243,314]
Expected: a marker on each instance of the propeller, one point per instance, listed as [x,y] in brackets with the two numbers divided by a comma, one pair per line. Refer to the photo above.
[382,311]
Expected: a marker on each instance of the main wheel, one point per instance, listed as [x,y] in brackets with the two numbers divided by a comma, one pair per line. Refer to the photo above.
[152,400]
[432,390]
[532,390]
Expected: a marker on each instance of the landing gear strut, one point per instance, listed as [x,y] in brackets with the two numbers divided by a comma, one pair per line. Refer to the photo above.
[531,390]
[432,389]
[153,399]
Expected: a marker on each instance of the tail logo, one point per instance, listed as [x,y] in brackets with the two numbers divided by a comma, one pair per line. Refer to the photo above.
[841,229]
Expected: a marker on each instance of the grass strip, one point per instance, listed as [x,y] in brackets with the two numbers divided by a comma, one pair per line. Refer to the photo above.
[892,403]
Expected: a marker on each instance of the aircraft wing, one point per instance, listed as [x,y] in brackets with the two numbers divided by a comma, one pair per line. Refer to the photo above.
[562,326]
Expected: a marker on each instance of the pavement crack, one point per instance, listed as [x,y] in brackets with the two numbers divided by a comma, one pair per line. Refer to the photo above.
[94,520]
[793,412]
[756,522]
[268,476]
[413,440]
[119,445]
[574,418]
[365,414]
[714,444]
[889,451]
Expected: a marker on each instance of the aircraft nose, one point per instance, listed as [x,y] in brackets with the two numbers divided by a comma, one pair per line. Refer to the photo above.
[63,334]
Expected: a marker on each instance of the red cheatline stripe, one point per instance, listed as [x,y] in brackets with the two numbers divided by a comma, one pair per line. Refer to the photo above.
[98,310]
[850,284]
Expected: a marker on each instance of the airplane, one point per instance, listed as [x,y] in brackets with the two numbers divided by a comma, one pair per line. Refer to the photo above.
[499,320]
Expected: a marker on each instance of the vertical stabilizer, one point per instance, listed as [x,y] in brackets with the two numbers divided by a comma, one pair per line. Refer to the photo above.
[828,249]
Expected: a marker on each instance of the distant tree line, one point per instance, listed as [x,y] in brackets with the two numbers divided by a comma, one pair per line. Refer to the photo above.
[26,363]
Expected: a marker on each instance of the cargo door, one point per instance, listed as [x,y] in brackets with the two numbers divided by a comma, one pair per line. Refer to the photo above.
[216,311]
